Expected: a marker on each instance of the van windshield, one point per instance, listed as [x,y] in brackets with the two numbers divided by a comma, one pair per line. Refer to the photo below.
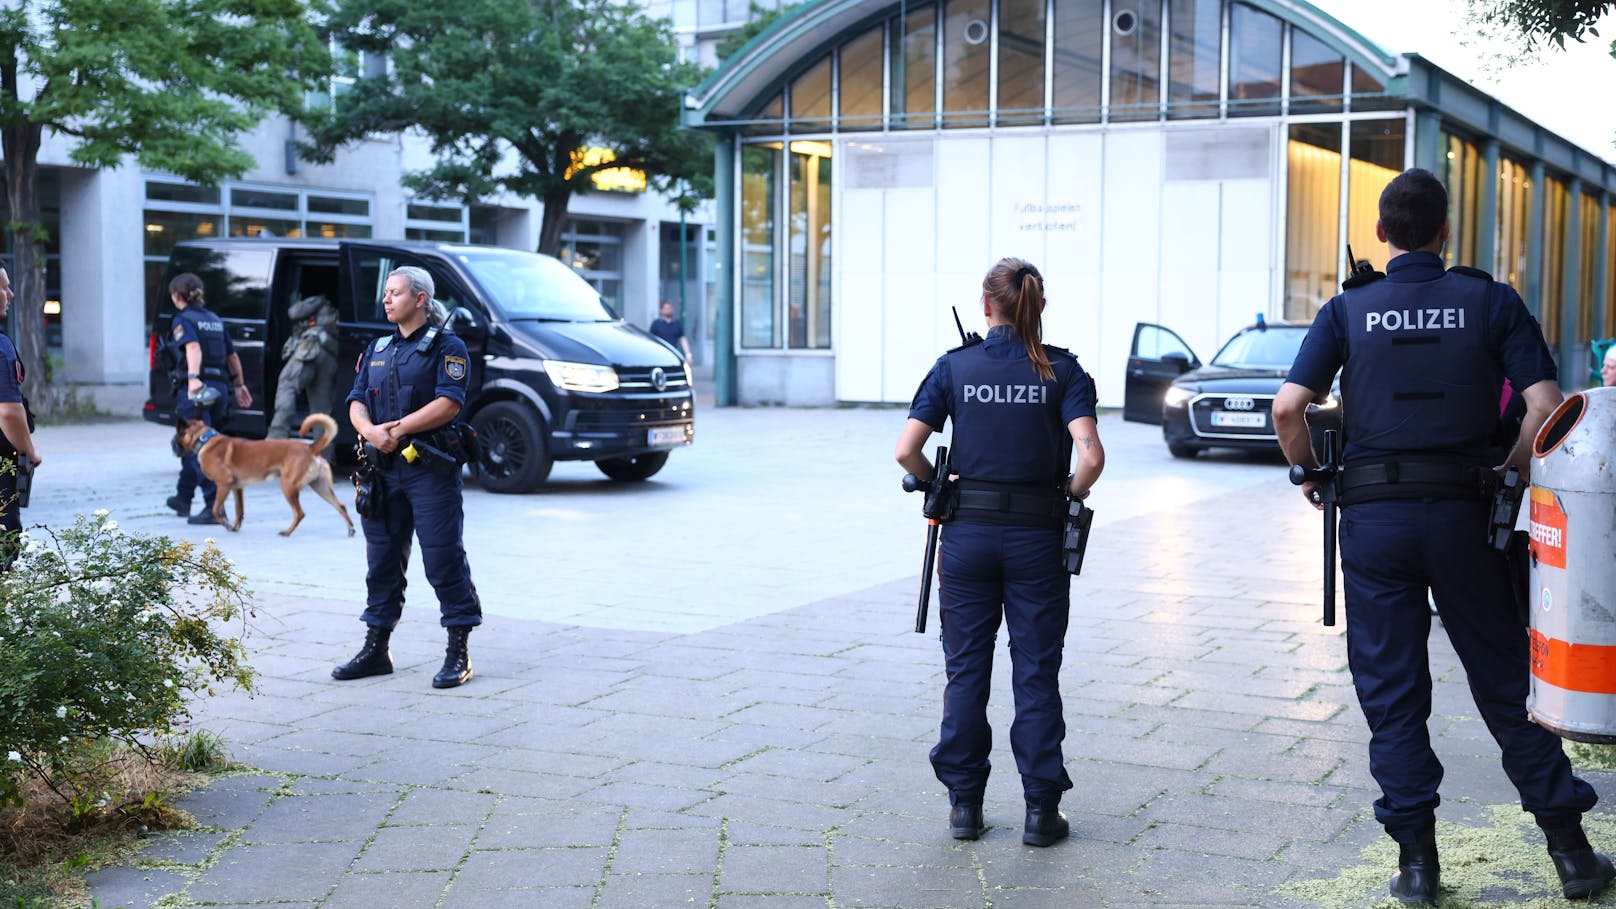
[527,285]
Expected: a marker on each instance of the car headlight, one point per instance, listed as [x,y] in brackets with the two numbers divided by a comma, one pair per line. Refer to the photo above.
[585,377]
[1177,395]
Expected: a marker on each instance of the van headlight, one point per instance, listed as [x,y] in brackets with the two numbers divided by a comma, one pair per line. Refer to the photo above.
[586,377]
[1177,395]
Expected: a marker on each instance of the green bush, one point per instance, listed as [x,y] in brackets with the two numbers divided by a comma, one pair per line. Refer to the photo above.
[104,638]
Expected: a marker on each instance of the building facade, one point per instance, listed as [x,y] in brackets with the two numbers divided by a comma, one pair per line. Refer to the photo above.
[1192,163]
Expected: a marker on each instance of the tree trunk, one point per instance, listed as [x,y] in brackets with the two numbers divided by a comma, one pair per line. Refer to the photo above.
[555,218]
[24,238]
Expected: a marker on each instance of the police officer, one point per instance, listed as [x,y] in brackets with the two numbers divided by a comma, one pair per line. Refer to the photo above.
[16,431]
[409,384]
[308,364]
[1423,354]
[212,375]
[1017,406]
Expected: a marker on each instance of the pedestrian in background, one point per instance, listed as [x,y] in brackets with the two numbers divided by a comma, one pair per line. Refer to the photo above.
[1607,368]
[1017,406]
[308,363]
[670,329]
[1416,495]
[16,431]
[212,377]
[410,385]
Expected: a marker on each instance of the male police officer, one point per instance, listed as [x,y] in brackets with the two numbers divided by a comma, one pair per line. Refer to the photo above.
[409,384]
[210,359]
[1423,354]
[308,364]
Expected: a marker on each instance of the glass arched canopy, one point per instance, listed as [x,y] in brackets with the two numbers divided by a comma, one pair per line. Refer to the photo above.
[1001,63]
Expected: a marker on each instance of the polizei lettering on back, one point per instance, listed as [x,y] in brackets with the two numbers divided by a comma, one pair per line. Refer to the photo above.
[1415,319]
[1008,394]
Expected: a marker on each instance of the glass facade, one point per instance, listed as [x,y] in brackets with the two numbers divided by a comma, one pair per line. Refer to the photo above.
[967,56]
[1589,305]
[1021,62]
[1135,60]
[594,249]
[1514,220]
[1318,75]
[1076,74]
[1256,48]
[810,98]
[1464,181]
[1376,157]
[809,266]
[914,69]
[859,102]
[760,166]
[1195,64]
[1312,218]
[1556,221]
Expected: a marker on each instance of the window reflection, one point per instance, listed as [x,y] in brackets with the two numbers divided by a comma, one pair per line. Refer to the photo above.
[1463,180]
[1079,43]
[914,69]
[1313,218]
[808,298]
[860,96]
[1514,216]
[1588,306]
[966,58]
[810,99]
[1255,45]
[1021,62]
[1377,157]
[1135,59]
[759,167]
[1318,75]
[1193,70]
[1556,213]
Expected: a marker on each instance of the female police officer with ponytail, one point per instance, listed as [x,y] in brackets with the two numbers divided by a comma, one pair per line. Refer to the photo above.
[1018,406]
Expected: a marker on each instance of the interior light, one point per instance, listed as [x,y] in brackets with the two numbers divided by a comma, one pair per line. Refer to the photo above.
[53,307]
[154,228]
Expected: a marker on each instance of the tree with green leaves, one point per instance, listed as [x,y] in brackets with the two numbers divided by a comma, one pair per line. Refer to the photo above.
[1542,22]
[758,19]
[530,97]
[173,83]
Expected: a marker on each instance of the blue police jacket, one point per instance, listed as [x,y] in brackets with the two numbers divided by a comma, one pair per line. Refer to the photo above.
[1009,424]
[11,375]
[398,375]
[1423,355]
[195,324]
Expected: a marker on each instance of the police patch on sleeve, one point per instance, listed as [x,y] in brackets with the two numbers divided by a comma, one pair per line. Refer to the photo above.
[454,367]
[179,332]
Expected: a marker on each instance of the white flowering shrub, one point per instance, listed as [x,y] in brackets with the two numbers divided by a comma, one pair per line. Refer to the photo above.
[105,636]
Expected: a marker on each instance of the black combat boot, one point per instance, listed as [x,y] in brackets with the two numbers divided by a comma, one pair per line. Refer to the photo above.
[1416,880]
[372,658]
[965,821]
[1044,826]
[456,669]
[1583,872]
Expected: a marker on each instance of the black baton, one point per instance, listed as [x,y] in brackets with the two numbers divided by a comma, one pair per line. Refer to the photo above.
[936,509]
[1325,475]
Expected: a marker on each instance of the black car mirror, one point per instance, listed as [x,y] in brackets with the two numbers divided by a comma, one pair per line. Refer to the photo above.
[1178,360]
[464,322]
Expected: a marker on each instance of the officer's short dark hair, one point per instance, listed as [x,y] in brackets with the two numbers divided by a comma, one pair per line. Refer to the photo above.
[1412,208]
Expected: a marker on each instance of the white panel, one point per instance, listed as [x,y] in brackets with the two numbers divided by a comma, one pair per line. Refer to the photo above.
[964,242]
[1246,278]
[1072,257]
[908,288]
[1190,255]
[1130,278]
[860,297]
[1022,211]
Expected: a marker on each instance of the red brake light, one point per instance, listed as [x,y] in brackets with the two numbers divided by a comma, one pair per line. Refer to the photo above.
[151,352]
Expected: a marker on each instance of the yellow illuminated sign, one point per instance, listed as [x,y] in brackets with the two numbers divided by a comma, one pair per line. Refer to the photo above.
[611,179]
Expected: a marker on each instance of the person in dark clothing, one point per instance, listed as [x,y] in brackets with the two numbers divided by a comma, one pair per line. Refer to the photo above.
[1017,406]
[1423,353]
[212,377]
[670,329]
[16,432]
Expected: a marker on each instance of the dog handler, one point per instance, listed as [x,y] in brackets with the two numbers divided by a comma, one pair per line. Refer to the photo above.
[410,383]
[1017,406]
[210,360]
[1423,353]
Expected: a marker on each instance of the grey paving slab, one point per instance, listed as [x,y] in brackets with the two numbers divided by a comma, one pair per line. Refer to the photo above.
[133,888]
[747,729]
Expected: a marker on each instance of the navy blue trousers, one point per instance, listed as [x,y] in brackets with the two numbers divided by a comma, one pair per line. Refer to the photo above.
[1391,552]
[988,573]
[191,475]
[427,505]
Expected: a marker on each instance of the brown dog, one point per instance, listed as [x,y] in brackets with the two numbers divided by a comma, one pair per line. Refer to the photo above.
[233,463]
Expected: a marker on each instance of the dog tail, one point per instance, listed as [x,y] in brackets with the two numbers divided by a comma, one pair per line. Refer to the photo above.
[328,430]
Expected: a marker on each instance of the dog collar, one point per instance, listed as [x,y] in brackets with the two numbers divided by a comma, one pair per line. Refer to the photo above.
[205,438]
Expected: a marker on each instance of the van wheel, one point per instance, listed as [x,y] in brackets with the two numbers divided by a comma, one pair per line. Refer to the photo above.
[514,455]
[1180,450]
[634,468]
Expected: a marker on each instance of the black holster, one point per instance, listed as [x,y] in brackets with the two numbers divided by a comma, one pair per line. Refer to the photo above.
[370,494]
[1075,535]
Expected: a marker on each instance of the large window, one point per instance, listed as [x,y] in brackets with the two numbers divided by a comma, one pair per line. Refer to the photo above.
[1514,265]
[1313,218]
[860,99]
[1464,182]
[1318,75]
[1556,221]
[1021,62]
[808,299]
[1377,157]
[1135,59]
[440,221]
[1588,305]
[1256,43]
[594,249]
[967,55]
[1194,67]
[1079,46]
[810,99]
[760,165]
[914,69]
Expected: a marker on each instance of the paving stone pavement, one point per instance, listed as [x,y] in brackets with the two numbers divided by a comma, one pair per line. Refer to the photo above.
[778,760]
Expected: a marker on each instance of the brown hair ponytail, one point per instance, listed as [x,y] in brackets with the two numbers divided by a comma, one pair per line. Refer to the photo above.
[1016,291]
[188,286]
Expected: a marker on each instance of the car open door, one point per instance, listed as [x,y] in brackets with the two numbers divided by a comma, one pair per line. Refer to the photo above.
[1158,356]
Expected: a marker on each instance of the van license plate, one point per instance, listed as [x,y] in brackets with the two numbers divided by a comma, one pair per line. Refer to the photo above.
[1241,420]
[666,435]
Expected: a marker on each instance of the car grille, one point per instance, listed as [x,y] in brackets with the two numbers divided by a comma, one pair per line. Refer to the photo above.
[639,378]
[621,420]
[1233,416]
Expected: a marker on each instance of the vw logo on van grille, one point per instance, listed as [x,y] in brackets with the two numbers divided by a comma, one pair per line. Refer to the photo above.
[659,380]
[1239,402]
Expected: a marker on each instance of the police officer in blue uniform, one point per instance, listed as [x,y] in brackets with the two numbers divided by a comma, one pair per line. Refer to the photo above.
[212,376]
[1423,353]
[409,385]
[1017,406]
[16,431]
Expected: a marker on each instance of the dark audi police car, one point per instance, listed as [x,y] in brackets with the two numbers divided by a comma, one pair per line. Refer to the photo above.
[1224,404]
[555,376]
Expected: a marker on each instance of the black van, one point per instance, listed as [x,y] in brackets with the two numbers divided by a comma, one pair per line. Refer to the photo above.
[555,376]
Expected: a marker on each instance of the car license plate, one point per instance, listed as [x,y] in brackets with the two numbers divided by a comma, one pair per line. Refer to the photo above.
[1240,420]
[666,435]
